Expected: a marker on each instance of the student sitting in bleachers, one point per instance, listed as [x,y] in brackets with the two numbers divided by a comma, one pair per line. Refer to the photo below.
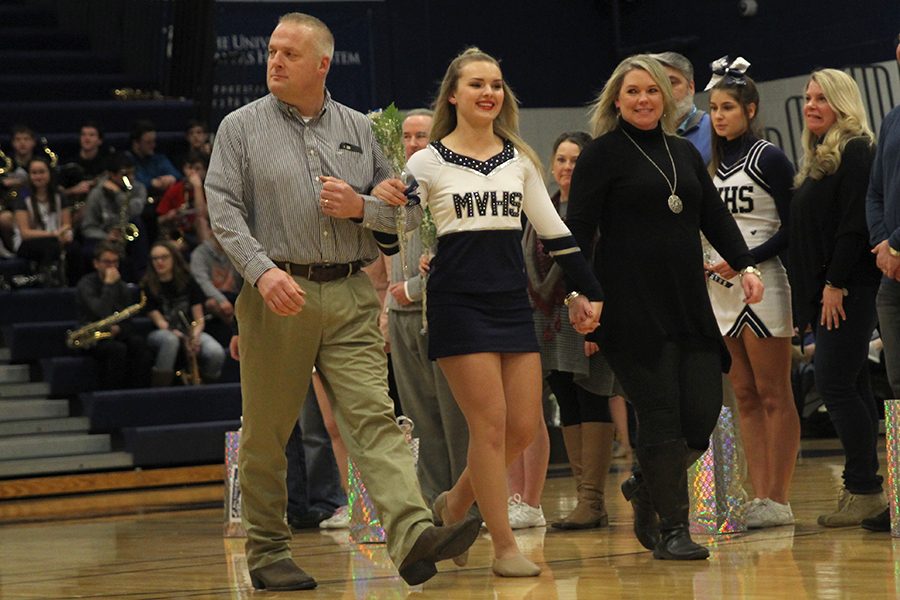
[12,178]
[182,211]
[43,234]
[123,359]
[221,283]
[175,305]
[113,205]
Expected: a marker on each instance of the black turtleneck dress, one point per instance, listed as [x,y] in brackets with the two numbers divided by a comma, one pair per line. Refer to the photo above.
[649,260]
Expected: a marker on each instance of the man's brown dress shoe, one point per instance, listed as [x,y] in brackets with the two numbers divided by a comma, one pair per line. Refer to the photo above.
[435,544]
[282,575]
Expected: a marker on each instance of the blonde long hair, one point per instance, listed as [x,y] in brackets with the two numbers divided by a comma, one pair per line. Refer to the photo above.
[604,116]
[506,125]
[842,95]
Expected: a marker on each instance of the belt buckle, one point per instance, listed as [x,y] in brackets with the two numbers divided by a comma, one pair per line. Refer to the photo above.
[315,268]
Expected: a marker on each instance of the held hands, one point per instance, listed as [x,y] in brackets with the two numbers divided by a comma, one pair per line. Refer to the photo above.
[281,293]
[391,191]
[339,200]
[832,307]
[753,288]
[888,264]
[584,315]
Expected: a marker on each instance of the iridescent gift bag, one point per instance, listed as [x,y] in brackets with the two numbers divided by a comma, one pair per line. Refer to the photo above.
[892,442]
[365,522]
[233,526]
[715,482]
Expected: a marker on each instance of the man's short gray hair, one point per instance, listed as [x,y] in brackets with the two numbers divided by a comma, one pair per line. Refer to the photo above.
[678,62]
[324,37]
[419,112]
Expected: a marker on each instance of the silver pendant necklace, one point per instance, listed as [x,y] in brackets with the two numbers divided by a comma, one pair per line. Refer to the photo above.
[675,203]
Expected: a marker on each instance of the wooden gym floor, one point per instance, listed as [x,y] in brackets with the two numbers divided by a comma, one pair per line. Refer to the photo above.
[182,554]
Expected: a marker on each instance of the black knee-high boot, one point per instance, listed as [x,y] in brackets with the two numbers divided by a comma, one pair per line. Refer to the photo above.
[646,524]
[663,466]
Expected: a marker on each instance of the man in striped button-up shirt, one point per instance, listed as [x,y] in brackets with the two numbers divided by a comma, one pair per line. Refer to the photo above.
[287,192]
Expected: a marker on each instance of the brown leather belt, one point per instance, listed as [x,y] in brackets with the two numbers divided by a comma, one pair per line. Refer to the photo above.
[321,272]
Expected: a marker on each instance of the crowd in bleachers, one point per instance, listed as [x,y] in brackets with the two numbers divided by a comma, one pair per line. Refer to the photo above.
[91,221]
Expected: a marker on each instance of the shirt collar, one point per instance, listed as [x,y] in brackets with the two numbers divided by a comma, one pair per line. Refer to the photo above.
[682,127]
[292,112]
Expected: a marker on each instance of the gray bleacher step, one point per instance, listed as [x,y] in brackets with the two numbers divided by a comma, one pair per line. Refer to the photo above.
[24,390]
[14,373]
[52,444]
[18,410]
[35,426]
[65,464]
[4,355]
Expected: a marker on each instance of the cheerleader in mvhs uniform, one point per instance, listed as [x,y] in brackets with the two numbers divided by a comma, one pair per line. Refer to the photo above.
[477,176]
[754,179]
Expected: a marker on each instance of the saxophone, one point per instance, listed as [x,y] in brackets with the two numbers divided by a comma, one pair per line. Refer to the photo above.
[129,230]
[87,336]
[191,374]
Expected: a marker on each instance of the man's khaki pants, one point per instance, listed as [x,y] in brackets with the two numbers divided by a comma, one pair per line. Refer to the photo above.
[337,332]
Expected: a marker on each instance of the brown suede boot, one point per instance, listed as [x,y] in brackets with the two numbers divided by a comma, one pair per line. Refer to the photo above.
[596,456]
[572,439]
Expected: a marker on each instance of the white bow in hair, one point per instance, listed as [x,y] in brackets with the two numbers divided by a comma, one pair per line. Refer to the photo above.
[733,73]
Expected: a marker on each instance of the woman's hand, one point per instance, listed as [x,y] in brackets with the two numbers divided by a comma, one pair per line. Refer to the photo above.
[753,288]
[832,307]
[424,264]
[584,315]
[64,234]
[590,348]
[722,269]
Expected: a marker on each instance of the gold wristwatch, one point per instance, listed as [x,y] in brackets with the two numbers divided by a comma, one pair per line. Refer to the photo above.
[893,251]
[752,270]
[570,296]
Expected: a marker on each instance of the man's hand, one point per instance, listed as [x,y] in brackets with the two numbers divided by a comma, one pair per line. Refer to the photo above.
[281,293]
[390,191]
[590,348]
[112,186]
[194,180]
[82,187]
[398,291]
[886,262]
[111,275]
[226,308]
[163,182]
[339,200]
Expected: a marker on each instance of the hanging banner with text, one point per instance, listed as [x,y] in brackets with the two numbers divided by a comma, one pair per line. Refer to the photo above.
[242,40]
